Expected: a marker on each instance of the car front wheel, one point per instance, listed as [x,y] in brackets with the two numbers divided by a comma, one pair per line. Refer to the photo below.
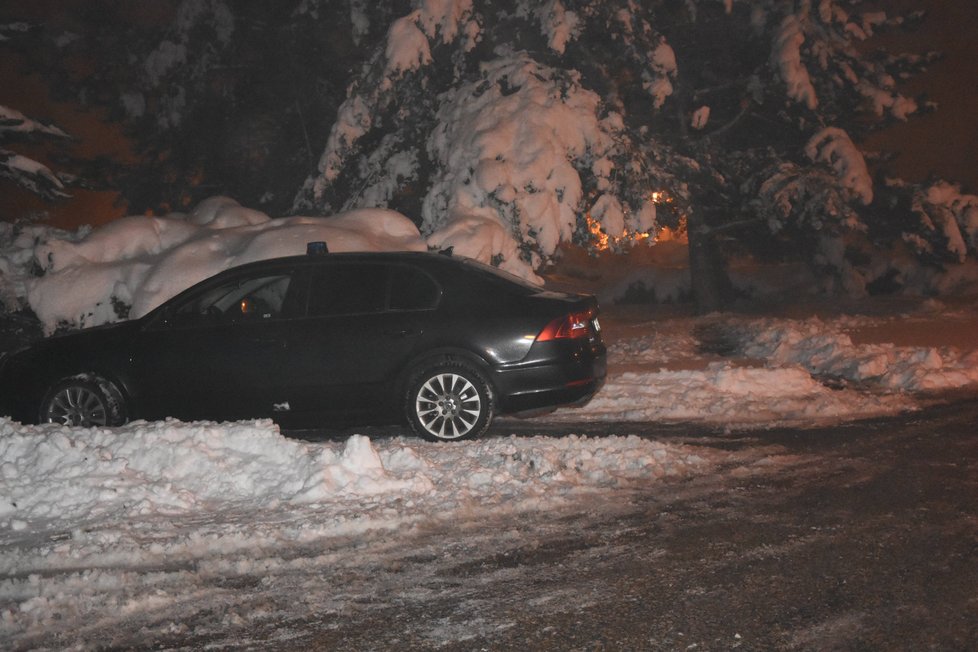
[82,402]
[449,401]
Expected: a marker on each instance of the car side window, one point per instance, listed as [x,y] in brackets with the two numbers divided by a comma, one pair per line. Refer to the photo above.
[348,290]
[412,289]
[251,299]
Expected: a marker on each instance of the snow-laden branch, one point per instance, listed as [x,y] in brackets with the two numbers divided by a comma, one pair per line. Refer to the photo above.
[34,176]
[787,57]
[834,147]
[22,170]
[15,122]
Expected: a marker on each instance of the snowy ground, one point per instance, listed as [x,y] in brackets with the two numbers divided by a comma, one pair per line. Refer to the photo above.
[739,370]
[117,537]
[126,529]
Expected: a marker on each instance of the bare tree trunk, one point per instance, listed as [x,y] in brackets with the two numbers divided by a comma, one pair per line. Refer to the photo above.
[712,289]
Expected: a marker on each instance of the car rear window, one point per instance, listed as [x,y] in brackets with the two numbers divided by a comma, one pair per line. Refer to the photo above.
[348,290]
[500,277]
[412,289]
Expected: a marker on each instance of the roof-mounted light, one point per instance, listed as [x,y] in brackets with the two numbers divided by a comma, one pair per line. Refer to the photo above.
[317,248]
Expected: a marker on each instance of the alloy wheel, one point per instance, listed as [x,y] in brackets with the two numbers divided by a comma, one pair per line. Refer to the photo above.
[448,406]
[77,405]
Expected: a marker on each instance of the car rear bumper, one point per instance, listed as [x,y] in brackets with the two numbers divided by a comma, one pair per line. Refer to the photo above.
[556,375]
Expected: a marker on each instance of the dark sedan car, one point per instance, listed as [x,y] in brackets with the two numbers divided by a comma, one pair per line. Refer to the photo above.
[441,341]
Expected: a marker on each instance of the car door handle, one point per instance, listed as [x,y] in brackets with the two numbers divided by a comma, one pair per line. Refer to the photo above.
[400,332]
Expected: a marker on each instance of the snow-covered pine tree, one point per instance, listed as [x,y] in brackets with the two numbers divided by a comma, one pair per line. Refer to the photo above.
[502,125]
[508,127]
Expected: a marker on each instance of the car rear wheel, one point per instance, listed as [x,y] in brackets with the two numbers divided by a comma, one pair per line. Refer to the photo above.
[449,401]
[83,402]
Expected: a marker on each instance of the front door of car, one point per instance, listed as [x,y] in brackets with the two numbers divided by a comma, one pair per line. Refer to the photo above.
[221,354]
[362,324]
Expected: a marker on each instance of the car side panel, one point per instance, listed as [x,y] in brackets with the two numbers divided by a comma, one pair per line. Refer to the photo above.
[343,366]
[215,372]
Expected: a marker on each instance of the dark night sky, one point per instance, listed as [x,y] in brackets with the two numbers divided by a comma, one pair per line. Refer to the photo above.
[944,143]
[94,137]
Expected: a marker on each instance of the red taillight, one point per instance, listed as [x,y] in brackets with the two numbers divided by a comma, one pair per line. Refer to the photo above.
[572,326]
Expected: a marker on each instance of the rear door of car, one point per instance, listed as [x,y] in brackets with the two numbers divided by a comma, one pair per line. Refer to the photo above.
[363,321]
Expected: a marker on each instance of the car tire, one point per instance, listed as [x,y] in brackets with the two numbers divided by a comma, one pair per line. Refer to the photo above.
[83,402]
[449,401]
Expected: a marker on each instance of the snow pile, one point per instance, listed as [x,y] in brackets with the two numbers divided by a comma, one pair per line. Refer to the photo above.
[17,242]
[547,468]
[55,476]
[662,378]
[143,261]
[169,467]
[743,372]
[114,527]
[827,352]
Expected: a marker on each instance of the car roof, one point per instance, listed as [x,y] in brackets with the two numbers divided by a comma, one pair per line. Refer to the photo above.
[442,258]
[429,260]
[379,256]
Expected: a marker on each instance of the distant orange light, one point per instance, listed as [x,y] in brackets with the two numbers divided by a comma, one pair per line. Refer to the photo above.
[601,241]
[599,237]
[677,234]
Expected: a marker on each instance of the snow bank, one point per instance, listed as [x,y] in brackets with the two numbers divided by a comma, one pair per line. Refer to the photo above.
[662,377]
[826,351]
[105,528]
[731,395]
[140,262]
[168,467]
[56,476]
[770,371]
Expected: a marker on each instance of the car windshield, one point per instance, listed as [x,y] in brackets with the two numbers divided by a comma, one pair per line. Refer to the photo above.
[252,298]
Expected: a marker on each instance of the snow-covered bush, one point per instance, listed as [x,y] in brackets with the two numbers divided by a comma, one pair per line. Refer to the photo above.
[128,267]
